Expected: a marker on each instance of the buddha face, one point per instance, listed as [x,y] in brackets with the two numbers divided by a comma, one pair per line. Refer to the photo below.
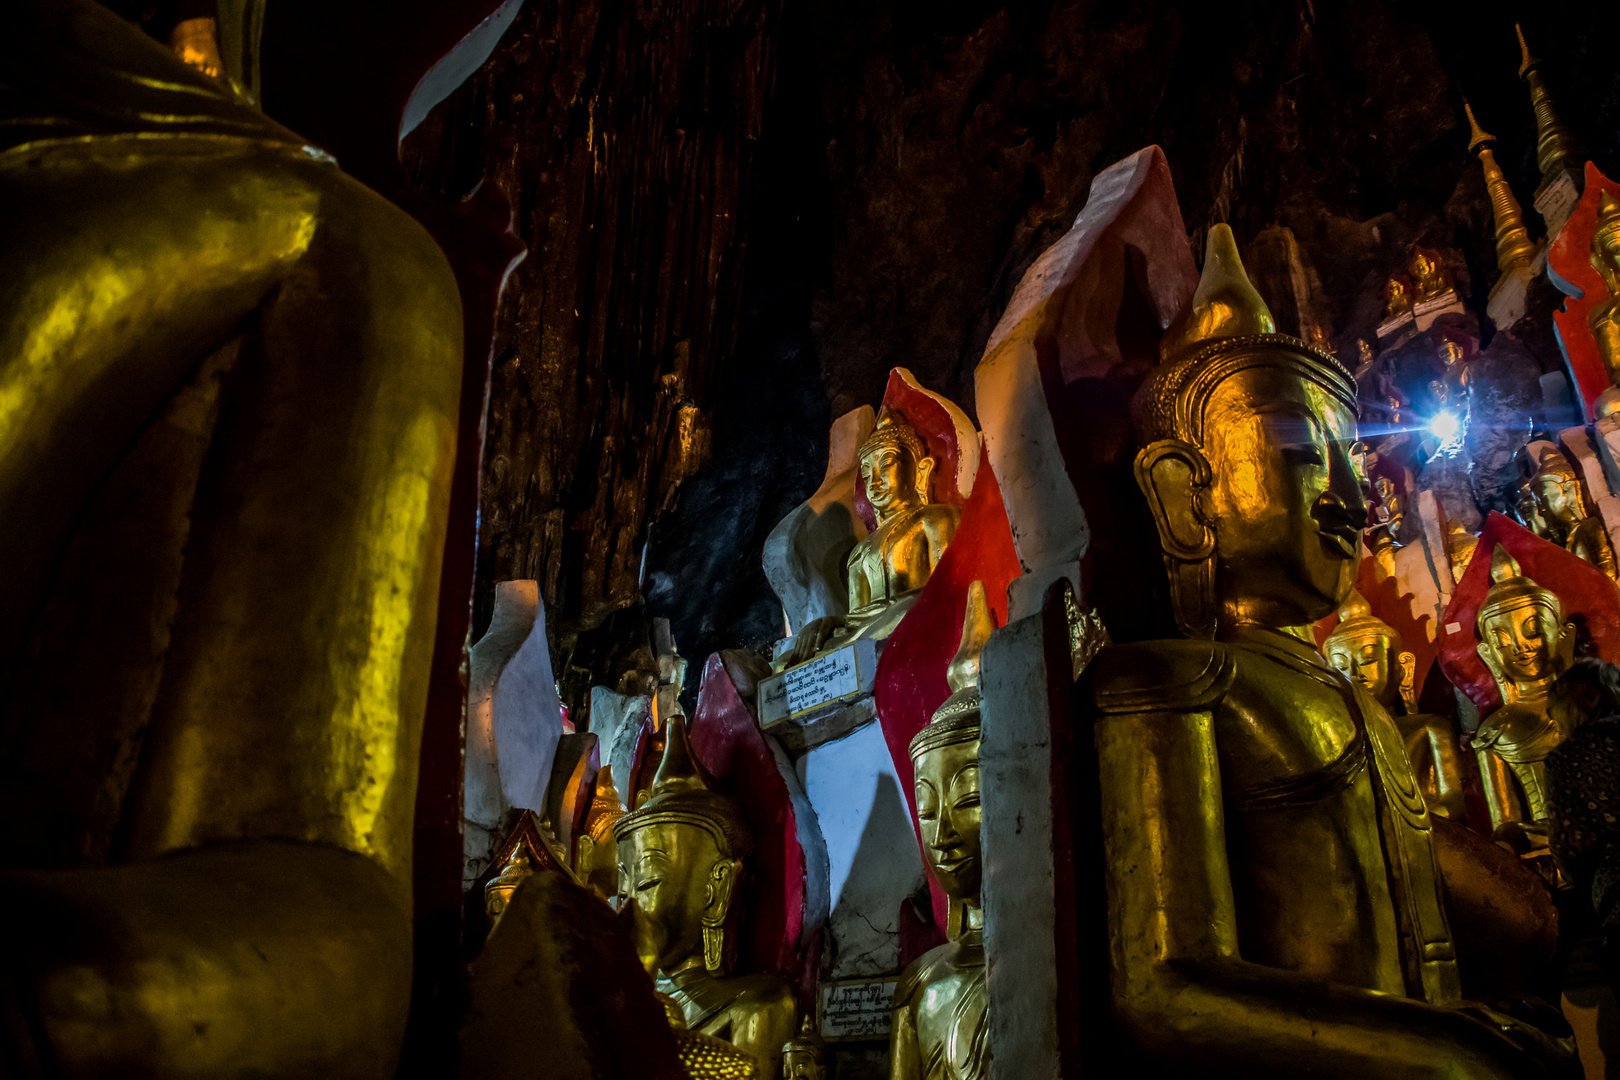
[1520,642]
[947,790]
[801,1065]
[1285,501]
[1450,352]
[1422,267]
[1560,496]
[1363,660]
[675,879]
[891,478]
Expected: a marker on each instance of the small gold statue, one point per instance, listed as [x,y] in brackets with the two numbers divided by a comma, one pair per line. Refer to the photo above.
[1526,643]
[939,1030]
[1431,282]
[804,1057]
[889,567]
[1604,318]
[1274,899]
[1368,652]
[498,893]
[680,871]
[1391,508]
[1528,507]
[596,856]
[1397,298]
[1561,500]
[1460,547]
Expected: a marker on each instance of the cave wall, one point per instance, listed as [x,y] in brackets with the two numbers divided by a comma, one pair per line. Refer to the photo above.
[741,215]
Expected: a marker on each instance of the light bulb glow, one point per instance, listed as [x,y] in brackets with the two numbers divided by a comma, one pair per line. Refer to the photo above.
[1445,426]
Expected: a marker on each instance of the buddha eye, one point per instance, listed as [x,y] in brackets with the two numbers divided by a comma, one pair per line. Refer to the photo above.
[649,883]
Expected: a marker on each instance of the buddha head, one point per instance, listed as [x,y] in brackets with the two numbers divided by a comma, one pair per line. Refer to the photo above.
[1367,651]
[1523,637]
[1429,280]
[895,467]
[1246,461]
[1606,243]
[1558,490]
[945,757]
[680,864]
[519,866]
[596,856]
[804,1054]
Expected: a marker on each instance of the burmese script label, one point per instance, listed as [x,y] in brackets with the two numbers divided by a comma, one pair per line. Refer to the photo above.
[857,1008]
[824,679]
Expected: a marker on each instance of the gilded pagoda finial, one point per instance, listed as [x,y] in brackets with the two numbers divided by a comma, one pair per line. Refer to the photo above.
[1555,147]
[1514,248]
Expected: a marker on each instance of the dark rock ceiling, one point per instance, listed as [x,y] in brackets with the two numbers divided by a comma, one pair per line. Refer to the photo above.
[742,213]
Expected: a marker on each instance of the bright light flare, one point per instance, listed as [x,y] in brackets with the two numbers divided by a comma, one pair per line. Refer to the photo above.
[1445,426]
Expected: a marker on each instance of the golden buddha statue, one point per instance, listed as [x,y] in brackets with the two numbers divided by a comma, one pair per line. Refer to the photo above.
[596,855]
[1561,499]
[1528,508]
[1391,508]
[890,566]
[680,872]
[1397,298]
[1460,547]
[1367,651]
[518,868]
[804,1057]
[1274,902]
[1604,318]
[1526,643]
[704,1057]
[229,387]
[940,1031]
[1429,281]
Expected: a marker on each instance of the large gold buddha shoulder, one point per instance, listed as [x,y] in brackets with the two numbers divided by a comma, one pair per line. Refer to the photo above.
[1173,675]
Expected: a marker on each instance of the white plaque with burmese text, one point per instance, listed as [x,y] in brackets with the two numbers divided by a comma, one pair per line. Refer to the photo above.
[857,1008]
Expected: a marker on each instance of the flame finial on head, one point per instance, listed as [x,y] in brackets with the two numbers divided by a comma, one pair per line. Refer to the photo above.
[957,720]
[1225,304]
[681,794]
[1356,620]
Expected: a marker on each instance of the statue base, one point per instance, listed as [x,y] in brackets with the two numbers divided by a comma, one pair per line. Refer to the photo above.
[1425,312]
[819,686]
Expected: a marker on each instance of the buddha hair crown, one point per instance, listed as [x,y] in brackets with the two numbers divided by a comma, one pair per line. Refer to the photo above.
[681,795]
[892,433]
[1510,589]
[1356,620]
[957,720]
[1226,329]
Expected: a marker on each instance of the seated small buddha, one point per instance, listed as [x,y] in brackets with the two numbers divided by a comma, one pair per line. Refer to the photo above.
[1561,499]
[1604,318]
[680,873]
[1526,643]
[1368,652]
[891,565]
[1430,282]
[1397,299]
[940,1028]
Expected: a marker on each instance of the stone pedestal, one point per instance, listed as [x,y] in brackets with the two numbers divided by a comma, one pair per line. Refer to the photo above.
[1509,297]
[1396,330]
[795,703]
[1425,312]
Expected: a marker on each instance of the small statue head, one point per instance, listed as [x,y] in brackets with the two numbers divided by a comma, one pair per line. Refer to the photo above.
[945,754]
[1606,243]
[498,893]
[804,1055]
[1523,637]
[1558,490]
[1246,463]
[680,863]
[895,466]
[1450,351]
[1367,651]
[596,856]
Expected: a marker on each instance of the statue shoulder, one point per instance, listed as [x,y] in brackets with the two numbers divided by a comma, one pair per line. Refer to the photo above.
[924,971]
[1173,675]
[761,992]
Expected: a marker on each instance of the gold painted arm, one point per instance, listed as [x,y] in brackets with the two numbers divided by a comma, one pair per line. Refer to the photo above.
[1501,793]
[1448,779]
[905,1055]
[246,959]
[1180,986]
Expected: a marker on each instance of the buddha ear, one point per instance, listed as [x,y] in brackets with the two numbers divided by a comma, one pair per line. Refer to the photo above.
[721,888]
[1175,478]
[1566,646]
[925,475]
[1406,664]
[1489,656]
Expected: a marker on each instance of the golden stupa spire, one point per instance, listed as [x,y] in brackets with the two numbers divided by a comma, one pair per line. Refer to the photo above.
[1555,147]
[1225,305]
[1514,248]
